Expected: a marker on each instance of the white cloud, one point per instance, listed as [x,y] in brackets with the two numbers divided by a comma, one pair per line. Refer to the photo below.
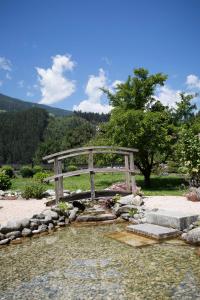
[54,85]
[93,103]
[5,64]
[192,81]
[168,96]
[29,94]
[8,76]
[21,83]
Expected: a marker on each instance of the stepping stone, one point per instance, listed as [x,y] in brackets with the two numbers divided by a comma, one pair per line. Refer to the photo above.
[173,219]
[95,218]
[153,231]
[131,239]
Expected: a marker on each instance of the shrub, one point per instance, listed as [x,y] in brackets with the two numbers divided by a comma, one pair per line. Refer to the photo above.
[63,206]
[37,169]
[72,168]
[5,182]
[8,170]
[40,176]
[34,190]
[26,171]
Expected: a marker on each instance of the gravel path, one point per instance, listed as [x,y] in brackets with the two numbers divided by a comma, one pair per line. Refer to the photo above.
[172,203]
[19,209]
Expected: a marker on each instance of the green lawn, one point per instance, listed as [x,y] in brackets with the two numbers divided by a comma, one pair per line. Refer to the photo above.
[160,185]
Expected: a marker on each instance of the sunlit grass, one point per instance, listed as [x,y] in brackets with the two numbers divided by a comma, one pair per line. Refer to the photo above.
[160,185]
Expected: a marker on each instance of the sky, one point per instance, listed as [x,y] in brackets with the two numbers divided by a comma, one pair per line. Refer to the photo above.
[61,52]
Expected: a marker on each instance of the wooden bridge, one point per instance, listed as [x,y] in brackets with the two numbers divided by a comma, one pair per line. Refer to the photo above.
[57,158]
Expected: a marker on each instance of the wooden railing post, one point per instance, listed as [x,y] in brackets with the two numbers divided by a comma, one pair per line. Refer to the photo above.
[60,180]
[126,161]
[56,171]
[91,167]
[132,169]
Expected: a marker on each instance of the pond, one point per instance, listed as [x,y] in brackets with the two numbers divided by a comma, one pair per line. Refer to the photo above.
[84,263]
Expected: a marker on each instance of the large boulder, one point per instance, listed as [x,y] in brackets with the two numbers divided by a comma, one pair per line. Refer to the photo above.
[118,210]
[4,242]
[192,236]
[73,214]
[131,200]
[25,223]
[2,236]
[11,226]
[51,213]
[13,235]
[26,232]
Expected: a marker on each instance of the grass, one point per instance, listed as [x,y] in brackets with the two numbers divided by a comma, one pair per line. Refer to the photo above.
[160,185]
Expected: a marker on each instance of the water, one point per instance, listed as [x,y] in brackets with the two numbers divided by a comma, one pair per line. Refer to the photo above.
[84,263]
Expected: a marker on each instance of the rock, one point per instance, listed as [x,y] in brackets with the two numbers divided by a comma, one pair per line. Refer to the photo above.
[126,200]
[33,225]
[2,193]
[11,226]
[26,232]
[2,236]
[50,226]
[67,222]
[79,205]
[36,231]
[192,236]
[5,241]
[42,228]
[73,214]
[25,223]
[13,235]
[49,193]
[91,218]
[118,210]
[38,216]
[46,220]
[78,191]
[53,214]
[16,241]
[61,224]
[61,219]
[138,201]
[36,221]
[125,216]
[137,216]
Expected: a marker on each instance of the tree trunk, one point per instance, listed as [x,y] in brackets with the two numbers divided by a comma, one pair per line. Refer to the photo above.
[147,181]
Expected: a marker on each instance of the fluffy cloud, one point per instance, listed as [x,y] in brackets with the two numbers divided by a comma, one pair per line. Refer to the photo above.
[93,103]
[5,64]
[168,96]
[192,81]
[54,85]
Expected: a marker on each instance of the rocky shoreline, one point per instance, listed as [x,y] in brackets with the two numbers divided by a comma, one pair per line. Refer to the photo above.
[106,209]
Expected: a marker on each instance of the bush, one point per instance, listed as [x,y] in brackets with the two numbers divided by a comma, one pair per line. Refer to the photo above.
[26,172]
[5,182]
[8,170]
[40,176]
[34,190]
[72,168]
[63,206]
[37,169]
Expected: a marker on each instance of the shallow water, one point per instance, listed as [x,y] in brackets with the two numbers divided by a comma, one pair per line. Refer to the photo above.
[84,263]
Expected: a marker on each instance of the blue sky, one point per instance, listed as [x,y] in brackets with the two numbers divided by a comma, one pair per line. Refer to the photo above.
[61,52]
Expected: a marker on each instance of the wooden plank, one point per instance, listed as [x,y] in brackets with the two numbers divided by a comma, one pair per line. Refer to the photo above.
[126,158]
[56,171]
[91,166]
[87,148]
[60,180]
[87,171]
[132,169]
[111,151]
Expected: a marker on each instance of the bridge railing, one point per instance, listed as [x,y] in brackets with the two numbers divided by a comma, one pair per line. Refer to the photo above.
[56,159]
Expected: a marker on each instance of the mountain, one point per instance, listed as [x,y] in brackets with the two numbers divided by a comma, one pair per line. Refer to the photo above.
[9,104]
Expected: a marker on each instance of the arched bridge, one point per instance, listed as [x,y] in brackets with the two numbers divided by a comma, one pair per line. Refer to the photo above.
[57,158]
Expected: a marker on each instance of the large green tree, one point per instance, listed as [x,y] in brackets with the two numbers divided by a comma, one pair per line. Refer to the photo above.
[139,120]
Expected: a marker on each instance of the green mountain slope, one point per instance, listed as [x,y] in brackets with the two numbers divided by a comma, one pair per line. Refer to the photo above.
[10,104]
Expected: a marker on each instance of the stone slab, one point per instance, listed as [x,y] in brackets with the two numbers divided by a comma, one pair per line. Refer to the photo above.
[153,231]
[173,219]
[131,239]
[95,218]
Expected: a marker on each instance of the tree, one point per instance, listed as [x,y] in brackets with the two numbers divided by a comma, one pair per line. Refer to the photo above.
[184,109]
[139,120]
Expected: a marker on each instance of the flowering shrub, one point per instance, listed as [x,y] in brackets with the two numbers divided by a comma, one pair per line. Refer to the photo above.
[189,156]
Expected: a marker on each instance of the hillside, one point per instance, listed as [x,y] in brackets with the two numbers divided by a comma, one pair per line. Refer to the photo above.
[9,104]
